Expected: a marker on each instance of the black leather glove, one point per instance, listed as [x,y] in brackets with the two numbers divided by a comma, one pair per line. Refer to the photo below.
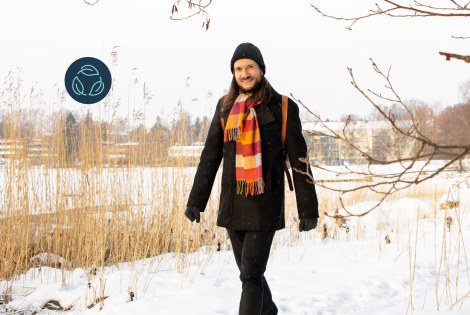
[193,213]
[307,224]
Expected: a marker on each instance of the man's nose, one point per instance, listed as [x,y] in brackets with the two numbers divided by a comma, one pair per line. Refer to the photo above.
[245,73]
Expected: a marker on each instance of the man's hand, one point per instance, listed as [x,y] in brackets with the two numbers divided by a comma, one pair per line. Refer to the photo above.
[193,213]
[307,224]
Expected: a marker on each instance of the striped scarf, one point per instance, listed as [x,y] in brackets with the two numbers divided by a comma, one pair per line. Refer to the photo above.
[242,127]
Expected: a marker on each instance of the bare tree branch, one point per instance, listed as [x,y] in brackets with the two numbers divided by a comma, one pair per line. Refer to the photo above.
[413,168]
[433,11]
[194,8]
[410,9]
[91,3]
[455,56]
[457,5]
[353,20]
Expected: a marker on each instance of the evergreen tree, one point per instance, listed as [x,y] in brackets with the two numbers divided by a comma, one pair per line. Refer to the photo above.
[71,138]
[197,130]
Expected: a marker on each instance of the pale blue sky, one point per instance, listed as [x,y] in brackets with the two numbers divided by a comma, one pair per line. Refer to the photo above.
[305,54]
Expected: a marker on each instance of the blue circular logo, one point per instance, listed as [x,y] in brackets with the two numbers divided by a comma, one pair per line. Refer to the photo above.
[88,80]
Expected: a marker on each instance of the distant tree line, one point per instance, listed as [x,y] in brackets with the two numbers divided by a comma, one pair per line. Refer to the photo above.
[449,126]
[74,139]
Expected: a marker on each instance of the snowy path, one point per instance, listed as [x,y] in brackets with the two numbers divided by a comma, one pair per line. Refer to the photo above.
[313,277]
[426,262]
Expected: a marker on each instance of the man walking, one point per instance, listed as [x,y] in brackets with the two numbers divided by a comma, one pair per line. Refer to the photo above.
[246,133]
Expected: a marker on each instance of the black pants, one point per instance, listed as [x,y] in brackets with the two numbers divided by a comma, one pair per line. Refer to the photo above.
[251,250]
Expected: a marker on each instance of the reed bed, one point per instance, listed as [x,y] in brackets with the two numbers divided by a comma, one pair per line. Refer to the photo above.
[92,214]
[88,212]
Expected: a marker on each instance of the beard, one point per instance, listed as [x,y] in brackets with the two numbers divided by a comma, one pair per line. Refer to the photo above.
[255,88]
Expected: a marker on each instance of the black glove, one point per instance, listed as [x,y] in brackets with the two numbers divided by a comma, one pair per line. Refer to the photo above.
[307,224]
[193,213]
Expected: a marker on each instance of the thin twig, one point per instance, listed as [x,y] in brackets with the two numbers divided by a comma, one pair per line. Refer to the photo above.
[397,10]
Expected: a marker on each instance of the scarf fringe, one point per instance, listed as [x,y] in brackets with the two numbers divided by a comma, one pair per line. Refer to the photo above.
[232,134]
[252,188]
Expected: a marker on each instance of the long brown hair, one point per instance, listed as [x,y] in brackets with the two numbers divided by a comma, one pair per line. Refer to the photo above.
[262,93]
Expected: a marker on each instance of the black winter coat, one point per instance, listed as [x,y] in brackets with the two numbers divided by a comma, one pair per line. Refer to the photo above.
[263,212]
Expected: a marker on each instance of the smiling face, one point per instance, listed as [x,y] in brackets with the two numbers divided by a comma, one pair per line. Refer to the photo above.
[248,75]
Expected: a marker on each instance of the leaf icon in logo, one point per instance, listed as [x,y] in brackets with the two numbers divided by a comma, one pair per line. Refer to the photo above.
[97,88]
[77,86]
[88,70]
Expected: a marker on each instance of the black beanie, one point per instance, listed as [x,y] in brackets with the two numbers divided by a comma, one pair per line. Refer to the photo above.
[249,51]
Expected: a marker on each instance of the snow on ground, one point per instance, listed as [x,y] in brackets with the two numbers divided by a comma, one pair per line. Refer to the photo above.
[407,255]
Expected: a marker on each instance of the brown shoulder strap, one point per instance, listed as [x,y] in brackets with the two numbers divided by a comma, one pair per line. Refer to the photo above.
[284,120]
[222,123]
[285,102]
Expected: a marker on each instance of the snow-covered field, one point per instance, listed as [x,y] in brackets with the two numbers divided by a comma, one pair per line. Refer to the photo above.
[409,256]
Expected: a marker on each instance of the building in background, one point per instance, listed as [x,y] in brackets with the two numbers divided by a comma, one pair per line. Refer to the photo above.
[372,137]
[187,155]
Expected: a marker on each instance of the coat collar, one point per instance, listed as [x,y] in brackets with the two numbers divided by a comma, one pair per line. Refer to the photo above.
[274,98]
